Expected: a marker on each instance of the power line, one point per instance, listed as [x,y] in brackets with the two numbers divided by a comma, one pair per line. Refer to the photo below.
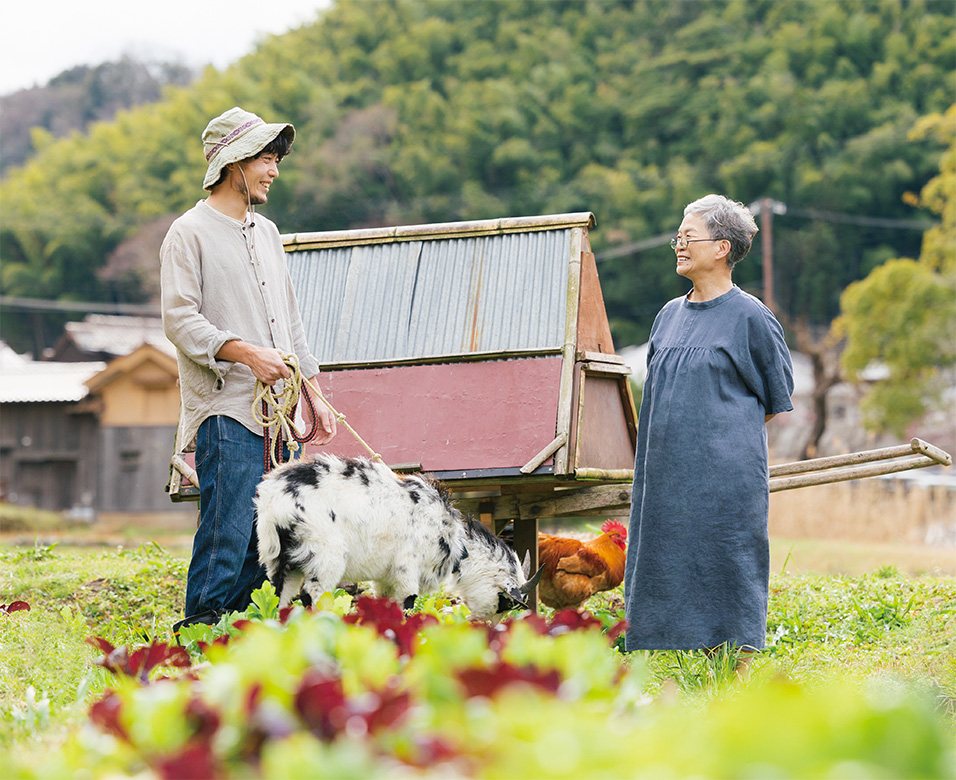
[853,219]
[780,209]
[634,246]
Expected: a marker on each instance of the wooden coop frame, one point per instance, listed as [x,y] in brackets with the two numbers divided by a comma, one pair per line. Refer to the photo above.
[478,352]
[532,407]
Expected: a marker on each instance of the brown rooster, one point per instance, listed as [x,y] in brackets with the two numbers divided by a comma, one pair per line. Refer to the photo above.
[575,570]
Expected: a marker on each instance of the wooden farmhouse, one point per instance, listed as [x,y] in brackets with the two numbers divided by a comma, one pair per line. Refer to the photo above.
[478,352]
[136,401]
[48,437]
[92,438]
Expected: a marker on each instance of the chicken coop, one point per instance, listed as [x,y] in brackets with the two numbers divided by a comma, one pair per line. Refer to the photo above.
[478,352]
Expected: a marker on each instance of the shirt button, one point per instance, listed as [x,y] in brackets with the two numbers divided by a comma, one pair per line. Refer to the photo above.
[263,284]
[273,319]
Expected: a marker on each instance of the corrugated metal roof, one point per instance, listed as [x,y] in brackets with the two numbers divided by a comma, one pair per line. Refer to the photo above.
[495,286]
[37,382]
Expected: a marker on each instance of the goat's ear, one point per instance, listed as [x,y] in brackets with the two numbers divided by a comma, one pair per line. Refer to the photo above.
[526,564]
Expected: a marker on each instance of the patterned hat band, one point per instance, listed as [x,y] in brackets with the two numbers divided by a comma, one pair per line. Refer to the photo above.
[237,135]
[240,131]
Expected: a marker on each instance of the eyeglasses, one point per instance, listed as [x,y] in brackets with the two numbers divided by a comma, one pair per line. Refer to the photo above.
[683,242]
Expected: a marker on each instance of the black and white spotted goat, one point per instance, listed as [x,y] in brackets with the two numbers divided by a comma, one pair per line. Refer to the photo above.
[326,519]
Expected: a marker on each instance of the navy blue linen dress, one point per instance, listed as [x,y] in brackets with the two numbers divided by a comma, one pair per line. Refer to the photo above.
[698,555]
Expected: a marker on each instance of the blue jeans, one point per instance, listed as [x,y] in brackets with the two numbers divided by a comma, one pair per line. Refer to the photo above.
[224,569]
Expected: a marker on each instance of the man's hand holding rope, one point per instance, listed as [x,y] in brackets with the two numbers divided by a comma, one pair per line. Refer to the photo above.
[266,363]
[269,365]
[327,427]
[271,411]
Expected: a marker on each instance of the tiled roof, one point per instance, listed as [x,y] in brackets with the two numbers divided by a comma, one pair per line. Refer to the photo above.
[38,382]
[8,357]
[117,335]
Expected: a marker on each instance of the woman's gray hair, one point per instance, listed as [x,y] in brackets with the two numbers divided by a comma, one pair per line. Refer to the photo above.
[728,219]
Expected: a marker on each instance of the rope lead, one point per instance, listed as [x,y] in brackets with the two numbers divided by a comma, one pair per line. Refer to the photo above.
[276,414]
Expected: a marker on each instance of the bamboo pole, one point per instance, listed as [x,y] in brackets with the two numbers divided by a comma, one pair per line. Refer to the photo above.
[917,454]
[185,470]
[610,474]
[566,389]
[547,452]
[937,455]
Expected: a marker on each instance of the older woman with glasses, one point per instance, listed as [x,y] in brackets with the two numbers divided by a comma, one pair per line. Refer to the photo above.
[717,369]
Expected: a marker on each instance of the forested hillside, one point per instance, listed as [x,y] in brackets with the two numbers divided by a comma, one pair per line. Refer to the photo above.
[436,110]
[72,100]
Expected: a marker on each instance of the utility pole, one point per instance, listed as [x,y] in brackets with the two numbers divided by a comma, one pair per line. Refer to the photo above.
[766,208]
[766,244]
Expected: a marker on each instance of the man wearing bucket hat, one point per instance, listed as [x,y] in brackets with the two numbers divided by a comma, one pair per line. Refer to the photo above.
[230,310]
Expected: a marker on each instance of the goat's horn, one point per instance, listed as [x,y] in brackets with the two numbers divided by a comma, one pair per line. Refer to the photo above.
[533,582]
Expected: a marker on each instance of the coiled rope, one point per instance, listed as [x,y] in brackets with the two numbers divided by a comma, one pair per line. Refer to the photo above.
[276,414]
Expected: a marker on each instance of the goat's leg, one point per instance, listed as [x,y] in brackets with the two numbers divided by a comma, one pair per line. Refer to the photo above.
[288,586]
[404,588]
[321,577]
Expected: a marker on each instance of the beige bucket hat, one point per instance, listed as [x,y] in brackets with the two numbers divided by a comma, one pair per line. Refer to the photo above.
[237,135]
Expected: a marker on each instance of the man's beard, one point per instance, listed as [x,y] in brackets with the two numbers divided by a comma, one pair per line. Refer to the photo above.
[251,198]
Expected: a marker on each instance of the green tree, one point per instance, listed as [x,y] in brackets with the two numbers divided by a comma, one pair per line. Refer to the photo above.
[414,111]
[902,316]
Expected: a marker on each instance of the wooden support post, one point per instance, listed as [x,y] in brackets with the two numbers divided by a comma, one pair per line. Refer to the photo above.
[526,541]
[486,515]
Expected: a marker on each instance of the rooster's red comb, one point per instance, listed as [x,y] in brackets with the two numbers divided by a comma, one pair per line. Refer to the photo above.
[614,527]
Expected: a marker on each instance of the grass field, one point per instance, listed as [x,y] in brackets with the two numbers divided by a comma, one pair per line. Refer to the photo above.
[840,556]
[861,621]
[853,613]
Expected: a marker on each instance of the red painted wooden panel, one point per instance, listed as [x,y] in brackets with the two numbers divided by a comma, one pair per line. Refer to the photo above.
[481,415]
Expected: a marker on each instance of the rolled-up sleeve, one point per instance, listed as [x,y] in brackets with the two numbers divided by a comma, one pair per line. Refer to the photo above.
[185,326]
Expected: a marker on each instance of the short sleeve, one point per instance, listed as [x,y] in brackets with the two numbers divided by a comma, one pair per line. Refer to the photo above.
[764,362]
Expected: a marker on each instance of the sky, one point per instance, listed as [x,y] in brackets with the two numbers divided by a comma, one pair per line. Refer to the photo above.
[45,37]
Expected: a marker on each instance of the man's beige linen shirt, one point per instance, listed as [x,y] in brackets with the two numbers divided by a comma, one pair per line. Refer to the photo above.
[222,280]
